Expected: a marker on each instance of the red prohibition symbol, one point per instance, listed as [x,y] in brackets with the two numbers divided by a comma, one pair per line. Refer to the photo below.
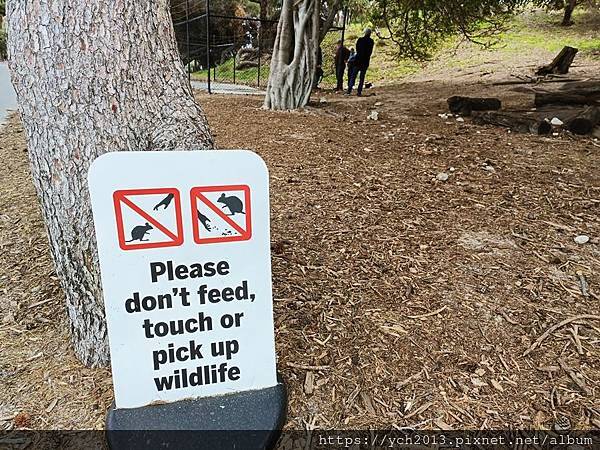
[221,213]
[148,226]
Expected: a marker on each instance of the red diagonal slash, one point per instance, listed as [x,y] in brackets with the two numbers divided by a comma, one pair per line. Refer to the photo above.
[220,213]
[149,218]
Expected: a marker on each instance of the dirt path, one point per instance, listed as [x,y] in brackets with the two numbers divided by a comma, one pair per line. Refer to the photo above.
[416,297]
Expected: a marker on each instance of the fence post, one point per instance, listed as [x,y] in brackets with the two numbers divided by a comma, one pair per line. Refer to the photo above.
[215,66]
[259,49]
[208,44]
[234,58]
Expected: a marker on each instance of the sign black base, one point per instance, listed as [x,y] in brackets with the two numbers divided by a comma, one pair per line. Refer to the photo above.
[248,420]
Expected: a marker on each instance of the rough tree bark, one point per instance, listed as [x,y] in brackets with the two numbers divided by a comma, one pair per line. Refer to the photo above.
[294,58]
[93,77]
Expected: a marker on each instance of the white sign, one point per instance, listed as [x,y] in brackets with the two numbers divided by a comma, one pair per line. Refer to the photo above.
[184,247]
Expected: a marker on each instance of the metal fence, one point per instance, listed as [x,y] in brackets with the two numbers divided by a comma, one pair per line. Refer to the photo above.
[232,53]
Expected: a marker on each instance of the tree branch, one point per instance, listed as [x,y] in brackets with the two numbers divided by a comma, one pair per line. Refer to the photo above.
[335,8]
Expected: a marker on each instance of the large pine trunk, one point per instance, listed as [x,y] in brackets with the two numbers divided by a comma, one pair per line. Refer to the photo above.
[92,77]
[294,58]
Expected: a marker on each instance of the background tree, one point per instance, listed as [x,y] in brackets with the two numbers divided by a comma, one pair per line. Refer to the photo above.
[3,54]
[294,58]
[269,11]
[300,30]
[330,12]
[222,29]
[417,27]
[567,5]
[93,77]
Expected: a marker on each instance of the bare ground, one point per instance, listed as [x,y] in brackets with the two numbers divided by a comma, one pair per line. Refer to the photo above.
[400,299]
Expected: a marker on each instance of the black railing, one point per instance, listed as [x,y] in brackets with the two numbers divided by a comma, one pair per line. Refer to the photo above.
[222,49]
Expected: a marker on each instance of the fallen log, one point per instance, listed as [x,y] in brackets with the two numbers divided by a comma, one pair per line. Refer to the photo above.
[586,85]
[561,63]
[564,113]
[516,122]
[585,121]
[465,105]
[571,97]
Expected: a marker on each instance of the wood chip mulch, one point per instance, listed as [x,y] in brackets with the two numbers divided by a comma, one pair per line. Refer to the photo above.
[425,271]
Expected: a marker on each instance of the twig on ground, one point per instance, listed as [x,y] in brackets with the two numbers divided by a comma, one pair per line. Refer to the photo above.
[553,328]
[40,303]
[508,319]
[419,410]
[409,380]
[307,367]
[575,332]
[574,376]
[432,313]
[583,284]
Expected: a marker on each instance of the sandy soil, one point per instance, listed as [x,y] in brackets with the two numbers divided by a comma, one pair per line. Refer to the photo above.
[400,299]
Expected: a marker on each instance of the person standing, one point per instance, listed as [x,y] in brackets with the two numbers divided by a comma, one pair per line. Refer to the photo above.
[351,62]
[342,54]
[319,69]
[364,50]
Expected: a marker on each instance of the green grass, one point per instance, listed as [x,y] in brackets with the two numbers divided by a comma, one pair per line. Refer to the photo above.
[225,73]
[385,65]
[529,33]
[540,30]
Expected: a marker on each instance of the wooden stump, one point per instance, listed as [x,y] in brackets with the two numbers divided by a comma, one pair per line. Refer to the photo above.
[465,105]
[561,63]
[516,122]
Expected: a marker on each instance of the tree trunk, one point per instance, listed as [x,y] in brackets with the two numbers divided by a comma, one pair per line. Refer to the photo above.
[265,29]
[93,77]
[569,8]
[334,9]
[294,58]
[560,64]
